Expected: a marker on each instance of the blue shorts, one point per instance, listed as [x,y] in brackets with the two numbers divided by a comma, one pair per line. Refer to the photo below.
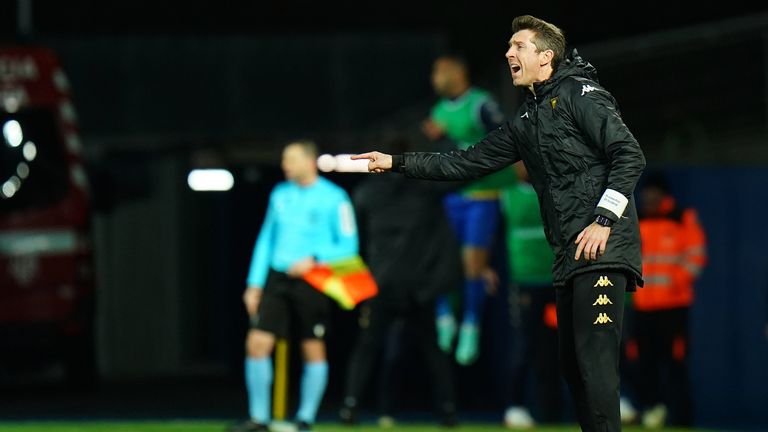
[474,221]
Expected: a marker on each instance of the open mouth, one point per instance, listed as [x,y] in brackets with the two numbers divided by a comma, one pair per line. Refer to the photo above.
[515,68]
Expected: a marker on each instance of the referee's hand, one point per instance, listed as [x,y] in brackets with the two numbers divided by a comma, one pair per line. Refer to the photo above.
[300,267]
[251,298]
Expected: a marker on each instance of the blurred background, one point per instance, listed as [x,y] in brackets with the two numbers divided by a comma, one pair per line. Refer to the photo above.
[120,285]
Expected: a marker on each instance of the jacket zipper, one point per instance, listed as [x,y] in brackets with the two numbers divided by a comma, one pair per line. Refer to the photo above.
[557,232]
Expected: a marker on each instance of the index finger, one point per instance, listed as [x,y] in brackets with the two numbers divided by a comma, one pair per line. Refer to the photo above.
[368,155]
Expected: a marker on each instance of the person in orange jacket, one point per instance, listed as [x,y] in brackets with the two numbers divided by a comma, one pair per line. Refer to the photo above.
[674,254]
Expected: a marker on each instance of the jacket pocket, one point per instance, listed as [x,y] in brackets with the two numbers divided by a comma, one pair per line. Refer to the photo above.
[591,187]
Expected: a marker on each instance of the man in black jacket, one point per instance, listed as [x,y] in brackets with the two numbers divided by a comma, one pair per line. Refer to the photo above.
[583,163]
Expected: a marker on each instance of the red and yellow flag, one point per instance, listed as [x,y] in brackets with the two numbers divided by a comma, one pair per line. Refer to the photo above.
[348,281]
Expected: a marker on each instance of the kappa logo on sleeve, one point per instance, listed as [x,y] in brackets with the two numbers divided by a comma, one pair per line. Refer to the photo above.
[586,89]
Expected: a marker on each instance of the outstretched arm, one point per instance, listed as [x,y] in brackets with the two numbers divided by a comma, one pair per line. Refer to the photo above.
[494,152]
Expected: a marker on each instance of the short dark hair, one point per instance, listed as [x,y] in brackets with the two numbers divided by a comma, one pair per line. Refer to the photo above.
[309,147]
[454,57]
[457,59]
[548,36]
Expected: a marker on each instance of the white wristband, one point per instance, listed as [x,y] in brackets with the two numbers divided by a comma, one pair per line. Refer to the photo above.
[613,201]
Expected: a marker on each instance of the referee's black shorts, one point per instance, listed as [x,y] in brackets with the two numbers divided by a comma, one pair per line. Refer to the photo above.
[290,307]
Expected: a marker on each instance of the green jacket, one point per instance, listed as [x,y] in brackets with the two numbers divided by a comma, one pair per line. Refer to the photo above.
[461,120]
[530,256]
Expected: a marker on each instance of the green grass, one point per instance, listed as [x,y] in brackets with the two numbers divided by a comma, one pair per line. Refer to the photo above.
[213,426]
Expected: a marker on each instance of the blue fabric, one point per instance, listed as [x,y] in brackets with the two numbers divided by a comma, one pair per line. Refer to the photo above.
[474,221]
[443,306]
[474,297]
[258,381]
[491,115]
[313,382]
[303,221]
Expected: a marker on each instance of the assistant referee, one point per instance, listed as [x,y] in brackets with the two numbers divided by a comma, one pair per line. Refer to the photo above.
[309,219]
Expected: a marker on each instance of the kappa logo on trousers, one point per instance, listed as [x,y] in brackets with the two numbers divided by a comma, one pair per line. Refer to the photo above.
[602,300]
[602,318]
[603,281]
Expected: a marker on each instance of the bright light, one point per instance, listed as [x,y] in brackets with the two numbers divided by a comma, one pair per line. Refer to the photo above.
[22,169]
[11,104]
[326,163]
[12,133]
[210,180]
[30,151]
[9,189]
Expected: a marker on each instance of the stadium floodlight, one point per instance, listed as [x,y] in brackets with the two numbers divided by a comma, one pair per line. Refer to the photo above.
[12,133]
[206,180]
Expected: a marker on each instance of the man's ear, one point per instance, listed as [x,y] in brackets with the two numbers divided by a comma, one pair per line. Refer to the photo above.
[545,57]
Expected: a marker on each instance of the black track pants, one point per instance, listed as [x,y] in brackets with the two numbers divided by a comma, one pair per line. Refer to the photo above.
[590,309]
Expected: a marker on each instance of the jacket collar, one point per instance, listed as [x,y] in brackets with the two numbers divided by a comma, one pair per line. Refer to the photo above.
[572,65]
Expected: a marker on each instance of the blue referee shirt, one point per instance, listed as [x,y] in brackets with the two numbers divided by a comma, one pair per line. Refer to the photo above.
[303,221]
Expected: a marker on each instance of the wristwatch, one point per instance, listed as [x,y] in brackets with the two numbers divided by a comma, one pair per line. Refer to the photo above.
[603,221]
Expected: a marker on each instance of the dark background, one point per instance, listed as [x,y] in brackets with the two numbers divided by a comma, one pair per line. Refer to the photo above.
[163,88]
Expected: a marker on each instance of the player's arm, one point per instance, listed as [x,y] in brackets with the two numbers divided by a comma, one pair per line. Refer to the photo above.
[361,199]
[344,229]
[262,253]
[431,128]
[494,152]
[596,114]
[490,115]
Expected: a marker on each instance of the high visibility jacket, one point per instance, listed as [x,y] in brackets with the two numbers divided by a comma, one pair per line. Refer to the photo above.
[674,254]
